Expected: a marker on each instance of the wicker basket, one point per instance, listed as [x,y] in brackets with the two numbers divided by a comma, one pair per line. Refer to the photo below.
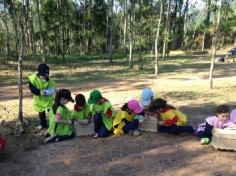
[224,139]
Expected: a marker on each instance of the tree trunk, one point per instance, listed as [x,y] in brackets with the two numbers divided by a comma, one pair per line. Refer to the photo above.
[214,43]
[40,31]
[27,27]
[84,29]
[125,25]
[203,40]
[185,21]
[166,31]
[7,31]
[63,42]
[32,31]
[206,21]
[20,59]
[157,39]
[111,31]
[140,53]
[193,36]
[131,33]
[13,18]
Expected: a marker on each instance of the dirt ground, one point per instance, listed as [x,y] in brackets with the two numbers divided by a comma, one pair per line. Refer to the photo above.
[148,154]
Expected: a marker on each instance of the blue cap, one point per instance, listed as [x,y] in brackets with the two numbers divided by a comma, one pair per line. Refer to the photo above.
[146,97]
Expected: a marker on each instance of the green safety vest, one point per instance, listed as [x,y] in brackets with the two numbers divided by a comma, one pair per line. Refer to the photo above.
[41,103]
[102,109]
[83,114]
[60,129]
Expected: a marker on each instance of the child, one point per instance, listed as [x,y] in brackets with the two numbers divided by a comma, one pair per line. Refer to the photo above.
[171,120]
[233,116]
[220,120]
[146,97]
[60,118]
[103,114]
[43,88]
[81,110]
[2,144]
[126,121]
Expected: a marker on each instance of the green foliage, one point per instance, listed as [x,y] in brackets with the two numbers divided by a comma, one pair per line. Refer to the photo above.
[80,27]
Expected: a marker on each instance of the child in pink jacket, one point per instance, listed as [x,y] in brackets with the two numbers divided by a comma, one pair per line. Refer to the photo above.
[220,120]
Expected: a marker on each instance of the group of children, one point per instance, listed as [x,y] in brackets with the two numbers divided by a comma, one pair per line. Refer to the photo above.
[106,121]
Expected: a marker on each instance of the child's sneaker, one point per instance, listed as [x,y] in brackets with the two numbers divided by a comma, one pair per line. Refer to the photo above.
[205,141]
[49,139]
[40,127]
[95,135]
[136,132]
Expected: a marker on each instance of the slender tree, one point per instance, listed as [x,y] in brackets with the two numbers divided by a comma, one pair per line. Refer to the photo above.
[20,87]
[157,38]
[13,15]
[131,32]
[214,43]
[166,34]
[125,26]
[38,2]
[111,31]
[7,30]
[206,22]
[185,21]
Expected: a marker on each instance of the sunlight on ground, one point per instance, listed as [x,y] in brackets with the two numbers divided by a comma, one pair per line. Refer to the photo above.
[184,83]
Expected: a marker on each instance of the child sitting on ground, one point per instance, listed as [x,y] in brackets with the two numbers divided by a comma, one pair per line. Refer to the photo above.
[127,120]
[60,118]
[81,111]
[220,120]
[103,114]
[171,120]
[146,97]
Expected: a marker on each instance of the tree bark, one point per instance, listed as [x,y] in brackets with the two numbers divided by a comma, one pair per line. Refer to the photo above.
[203,40]
[13,18]
[140,53]
[7,30]
[185,21]
[214,43]
[111,31]
[20,88]
[125,26]
[131,33]
[40,31]
[157,39]
[206,21]
[166,31]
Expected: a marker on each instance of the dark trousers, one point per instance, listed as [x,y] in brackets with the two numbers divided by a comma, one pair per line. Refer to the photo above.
[99,126]
[42,119]
[174,129]
[207,133]
[130,125]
